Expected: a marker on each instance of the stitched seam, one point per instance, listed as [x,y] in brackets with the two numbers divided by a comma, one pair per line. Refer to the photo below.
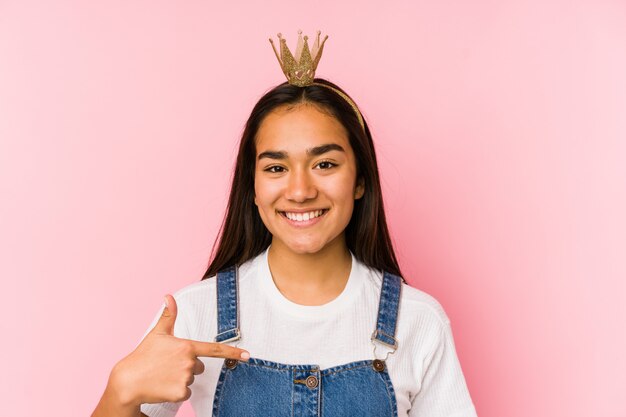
[390,394]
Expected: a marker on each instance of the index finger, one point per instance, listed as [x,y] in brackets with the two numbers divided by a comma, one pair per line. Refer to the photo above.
[219,350]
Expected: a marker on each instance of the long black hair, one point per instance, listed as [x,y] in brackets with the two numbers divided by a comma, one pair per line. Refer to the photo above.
[243,235]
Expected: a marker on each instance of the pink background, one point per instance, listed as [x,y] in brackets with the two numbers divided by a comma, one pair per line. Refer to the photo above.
[500,128]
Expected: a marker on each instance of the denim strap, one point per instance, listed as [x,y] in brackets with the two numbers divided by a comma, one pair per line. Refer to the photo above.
[388,310]
[227,317]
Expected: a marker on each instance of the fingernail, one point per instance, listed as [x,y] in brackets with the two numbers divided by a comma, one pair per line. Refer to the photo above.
[245,355]
[166,304]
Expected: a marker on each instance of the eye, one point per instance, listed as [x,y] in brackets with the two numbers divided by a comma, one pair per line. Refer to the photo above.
[274,169]
[326,165]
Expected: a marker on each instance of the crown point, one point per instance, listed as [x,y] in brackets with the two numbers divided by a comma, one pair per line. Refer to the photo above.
[300,67]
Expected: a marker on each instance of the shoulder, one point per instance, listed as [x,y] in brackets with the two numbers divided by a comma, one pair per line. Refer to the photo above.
[422,322]
[415,302]
[197,305]
[421,317]
[204,291]
[194,288]
[417,308]
[195,293]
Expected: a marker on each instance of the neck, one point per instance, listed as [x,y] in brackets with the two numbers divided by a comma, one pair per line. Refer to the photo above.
[310,278]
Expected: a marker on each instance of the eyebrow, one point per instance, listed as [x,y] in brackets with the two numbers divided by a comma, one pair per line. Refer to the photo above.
[316,151]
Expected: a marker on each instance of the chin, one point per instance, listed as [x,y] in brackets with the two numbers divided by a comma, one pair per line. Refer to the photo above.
[305,248]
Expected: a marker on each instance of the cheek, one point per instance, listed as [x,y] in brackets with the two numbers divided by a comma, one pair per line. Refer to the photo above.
[266,192]
[343,188]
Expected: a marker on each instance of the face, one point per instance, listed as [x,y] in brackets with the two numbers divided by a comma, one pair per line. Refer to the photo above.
[305,179]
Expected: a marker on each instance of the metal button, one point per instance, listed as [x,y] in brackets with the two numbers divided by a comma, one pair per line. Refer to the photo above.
[378,365]
[311,382]
[231,363]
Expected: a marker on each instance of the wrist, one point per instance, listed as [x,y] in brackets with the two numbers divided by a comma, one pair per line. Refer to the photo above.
[119,389]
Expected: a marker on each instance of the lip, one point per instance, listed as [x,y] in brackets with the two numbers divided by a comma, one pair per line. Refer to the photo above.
[304,223]
[302,210]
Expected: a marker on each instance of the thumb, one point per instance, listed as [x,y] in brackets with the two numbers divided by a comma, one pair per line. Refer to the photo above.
[165,325]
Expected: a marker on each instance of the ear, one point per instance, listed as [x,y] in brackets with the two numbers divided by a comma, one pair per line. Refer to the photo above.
[360,188]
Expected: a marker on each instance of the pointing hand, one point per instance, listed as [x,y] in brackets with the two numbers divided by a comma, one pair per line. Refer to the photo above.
[163,366]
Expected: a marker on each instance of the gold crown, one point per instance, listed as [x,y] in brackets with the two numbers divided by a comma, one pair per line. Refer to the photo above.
[300,70]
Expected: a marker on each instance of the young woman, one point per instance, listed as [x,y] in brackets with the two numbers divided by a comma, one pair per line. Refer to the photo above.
[303,296]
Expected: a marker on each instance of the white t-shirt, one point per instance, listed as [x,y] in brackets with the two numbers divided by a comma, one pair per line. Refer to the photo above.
[425,371]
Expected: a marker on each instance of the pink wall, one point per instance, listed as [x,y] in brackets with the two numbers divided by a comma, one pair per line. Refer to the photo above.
[500,127]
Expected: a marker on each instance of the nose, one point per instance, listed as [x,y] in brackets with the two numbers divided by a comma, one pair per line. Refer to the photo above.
[300,187]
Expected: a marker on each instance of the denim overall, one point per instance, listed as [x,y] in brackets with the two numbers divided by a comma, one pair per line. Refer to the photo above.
[263,388]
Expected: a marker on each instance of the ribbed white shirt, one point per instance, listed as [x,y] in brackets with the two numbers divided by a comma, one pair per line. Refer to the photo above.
[425,371]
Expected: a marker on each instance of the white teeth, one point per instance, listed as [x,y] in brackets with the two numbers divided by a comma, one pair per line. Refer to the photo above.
[302,217]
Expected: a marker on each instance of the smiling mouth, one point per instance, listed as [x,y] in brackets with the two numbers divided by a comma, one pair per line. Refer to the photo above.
[303,217]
